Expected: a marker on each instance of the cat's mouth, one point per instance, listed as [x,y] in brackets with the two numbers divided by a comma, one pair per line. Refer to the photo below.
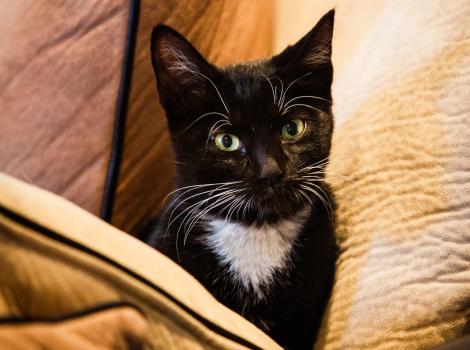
[257,201]
[271,202]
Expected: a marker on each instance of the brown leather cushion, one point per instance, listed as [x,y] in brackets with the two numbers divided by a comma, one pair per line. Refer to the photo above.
[60,65]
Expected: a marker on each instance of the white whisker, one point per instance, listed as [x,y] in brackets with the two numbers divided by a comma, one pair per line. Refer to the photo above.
[197,204]
[203,116]
[212,130]
[281,92]
[302,197]
[316,164]
[241,206]
[281,102]
[325,200]
[216,89]
[233,207]
[302,105]
[271,85]
[313,177]
[199,186]
[247,207]
[306,96]
[209,207]
[221,187]
[219,201]
[306,196]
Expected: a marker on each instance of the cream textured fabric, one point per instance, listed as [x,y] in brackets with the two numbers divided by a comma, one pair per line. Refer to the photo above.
[56,258]
[116,328]
[400,168]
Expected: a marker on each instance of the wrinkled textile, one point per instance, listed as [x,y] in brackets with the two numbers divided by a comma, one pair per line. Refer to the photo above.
[117,328]
[400,169]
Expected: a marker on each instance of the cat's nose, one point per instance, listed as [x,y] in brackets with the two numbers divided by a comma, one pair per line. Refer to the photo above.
[270,169]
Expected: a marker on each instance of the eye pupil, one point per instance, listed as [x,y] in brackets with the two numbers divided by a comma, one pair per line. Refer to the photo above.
[227,141]
[291,128]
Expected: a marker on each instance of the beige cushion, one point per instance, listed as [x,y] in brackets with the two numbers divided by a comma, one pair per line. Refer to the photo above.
[116,327]
[400,167]
[56,258]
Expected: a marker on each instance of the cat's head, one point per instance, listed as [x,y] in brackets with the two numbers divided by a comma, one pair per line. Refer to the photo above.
[259,132]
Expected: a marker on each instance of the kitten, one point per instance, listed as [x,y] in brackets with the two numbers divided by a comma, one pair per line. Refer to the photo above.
[251,218]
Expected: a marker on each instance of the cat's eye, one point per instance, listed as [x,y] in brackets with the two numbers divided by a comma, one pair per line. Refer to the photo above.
[227,142]
[293,129]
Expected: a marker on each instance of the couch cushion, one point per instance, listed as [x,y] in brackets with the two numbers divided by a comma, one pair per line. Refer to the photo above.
[60,69]
[400,172]
[111,326]
[56,258]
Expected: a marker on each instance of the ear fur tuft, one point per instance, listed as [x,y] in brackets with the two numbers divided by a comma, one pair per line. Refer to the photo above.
[180,69]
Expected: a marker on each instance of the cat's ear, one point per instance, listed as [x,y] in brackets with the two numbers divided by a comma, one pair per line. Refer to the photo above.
[179,68]
[313,51]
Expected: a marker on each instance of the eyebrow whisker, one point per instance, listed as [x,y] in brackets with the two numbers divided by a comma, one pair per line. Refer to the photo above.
[281,92]
[271,85]
[285,92]
[212,130]
[302,105]
[203,116]
[216,89]
[306,96]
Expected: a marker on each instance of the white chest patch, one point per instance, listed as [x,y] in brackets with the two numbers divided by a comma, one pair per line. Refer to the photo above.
[254,253]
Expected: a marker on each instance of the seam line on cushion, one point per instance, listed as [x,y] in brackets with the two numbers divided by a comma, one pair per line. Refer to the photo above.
[71,315]
[119,125]
[18,218]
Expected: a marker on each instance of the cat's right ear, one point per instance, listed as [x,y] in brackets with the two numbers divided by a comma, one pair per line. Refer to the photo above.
[312,52]
[181,71]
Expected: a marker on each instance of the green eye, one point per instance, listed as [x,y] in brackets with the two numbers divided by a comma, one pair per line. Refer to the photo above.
[293,129]
[227,142]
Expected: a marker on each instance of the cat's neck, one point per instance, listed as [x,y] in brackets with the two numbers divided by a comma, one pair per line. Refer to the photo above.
[254,253]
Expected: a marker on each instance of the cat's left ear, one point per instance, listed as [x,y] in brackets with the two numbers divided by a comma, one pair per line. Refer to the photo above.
[311,52]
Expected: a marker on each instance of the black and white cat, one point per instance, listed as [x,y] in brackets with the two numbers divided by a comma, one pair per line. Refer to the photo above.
[251,217]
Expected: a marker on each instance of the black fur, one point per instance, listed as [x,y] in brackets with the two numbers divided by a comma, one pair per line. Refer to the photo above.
[268,167]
